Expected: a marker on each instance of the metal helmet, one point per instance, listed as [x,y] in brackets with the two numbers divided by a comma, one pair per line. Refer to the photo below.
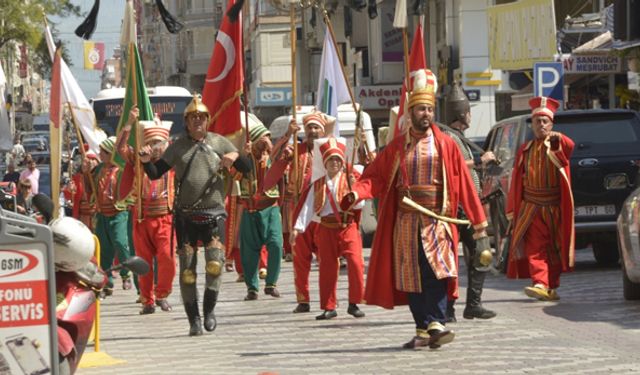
[457,104]
[196,106]
[73,244]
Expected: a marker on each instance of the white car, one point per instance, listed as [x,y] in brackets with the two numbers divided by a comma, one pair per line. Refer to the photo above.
[629,244]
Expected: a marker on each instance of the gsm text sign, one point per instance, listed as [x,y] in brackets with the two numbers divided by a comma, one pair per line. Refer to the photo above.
[548,80]
[27,322]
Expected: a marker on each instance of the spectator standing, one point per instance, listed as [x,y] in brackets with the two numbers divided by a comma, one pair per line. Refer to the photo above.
[12,175]
[32,174]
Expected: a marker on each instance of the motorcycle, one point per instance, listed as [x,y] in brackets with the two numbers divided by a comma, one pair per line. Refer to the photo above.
[76,294]
[79,281]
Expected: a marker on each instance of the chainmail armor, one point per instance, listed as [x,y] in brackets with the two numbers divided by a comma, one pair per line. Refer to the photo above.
[205,163]
[466,153]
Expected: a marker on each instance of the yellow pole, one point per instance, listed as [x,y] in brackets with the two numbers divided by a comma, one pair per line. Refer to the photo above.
[96,321]
[296,174]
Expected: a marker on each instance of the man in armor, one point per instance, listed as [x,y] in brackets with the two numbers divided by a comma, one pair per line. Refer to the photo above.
[197,157]
[458,117]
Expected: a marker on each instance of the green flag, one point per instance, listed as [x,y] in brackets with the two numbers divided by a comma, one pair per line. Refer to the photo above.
[136,94]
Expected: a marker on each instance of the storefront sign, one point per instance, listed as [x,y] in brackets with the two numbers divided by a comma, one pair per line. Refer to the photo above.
[378,97]
[521,33]
[273,96]
[591,64]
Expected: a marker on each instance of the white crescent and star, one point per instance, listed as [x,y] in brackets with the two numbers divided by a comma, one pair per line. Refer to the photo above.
[230,52]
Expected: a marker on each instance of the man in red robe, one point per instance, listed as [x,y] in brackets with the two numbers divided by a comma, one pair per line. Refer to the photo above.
[414,253]
[541,206]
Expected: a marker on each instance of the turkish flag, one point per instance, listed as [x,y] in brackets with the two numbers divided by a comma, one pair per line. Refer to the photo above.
[223,85]
[417,61]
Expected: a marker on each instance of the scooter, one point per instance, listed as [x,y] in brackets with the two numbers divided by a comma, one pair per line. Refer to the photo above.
[79,281]
[76,307]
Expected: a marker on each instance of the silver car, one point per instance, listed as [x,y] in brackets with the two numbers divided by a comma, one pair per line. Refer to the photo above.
[629,243]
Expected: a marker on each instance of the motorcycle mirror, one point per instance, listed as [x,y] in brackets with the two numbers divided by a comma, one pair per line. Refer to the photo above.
[136,265]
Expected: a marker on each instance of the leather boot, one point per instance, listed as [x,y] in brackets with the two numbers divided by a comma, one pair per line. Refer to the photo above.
[474,308]
[194,318]
[450,316]
[209,303]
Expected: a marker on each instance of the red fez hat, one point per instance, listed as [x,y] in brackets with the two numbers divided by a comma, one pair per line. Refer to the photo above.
[543,106]
[332,147]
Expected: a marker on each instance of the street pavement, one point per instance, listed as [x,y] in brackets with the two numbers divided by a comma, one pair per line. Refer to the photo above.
[591,330]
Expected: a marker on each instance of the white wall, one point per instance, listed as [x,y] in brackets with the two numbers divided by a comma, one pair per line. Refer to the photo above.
[473,48]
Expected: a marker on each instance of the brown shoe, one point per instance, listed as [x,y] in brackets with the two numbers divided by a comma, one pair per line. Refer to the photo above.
[252,295]
[416,342]
[272,291]
[302,308]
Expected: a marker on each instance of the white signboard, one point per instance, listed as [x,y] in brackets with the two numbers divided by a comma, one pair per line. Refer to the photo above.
[591,64]
[27,317]
[378,97]
[24,311]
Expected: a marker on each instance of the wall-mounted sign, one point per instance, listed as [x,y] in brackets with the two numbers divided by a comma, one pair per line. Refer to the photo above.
[473,95]
[591,64]
[378,97]
[521,33]
[273,96]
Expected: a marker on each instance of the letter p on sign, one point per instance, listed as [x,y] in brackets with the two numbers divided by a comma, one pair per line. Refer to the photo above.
[548,80]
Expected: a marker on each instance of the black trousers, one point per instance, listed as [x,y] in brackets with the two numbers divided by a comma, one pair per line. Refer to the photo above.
[431,304]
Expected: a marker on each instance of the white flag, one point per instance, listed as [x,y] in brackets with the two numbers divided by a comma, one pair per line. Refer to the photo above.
[332,88]
[6,139]
[83,113]
[400,18]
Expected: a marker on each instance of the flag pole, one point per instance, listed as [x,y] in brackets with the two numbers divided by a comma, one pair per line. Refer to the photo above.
[357,109]
[292,37]
[83,152]
[245,102]
[136,129]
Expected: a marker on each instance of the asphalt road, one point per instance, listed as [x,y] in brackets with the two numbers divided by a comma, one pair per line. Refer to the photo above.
[591,330]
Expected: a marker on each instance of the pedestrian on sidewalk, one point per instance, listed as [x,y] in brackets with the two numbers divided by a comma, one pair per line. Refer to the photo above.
[338,232]
[420,178]
[198,157]
[540,205]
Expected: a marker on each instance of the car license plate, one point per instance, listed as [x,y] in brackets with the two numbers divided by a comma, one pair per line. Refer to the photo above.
[595,210]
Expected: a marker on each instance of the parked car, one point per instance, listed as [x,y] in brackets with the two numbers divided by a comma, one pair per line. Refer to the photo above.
[629,243]
[604,170]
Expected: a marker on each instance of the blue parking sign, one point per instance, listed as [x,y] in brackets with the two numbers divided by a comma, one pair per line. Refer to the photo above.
[548,80]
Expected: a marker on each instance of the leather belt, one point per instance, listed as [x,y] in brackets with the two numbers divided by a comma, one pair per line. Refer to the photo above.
[331,221]
[253,206]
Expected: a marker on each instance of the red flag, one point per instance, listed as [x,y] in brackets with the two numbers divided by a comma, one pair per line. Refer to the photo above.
[417,61]
[223,86]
